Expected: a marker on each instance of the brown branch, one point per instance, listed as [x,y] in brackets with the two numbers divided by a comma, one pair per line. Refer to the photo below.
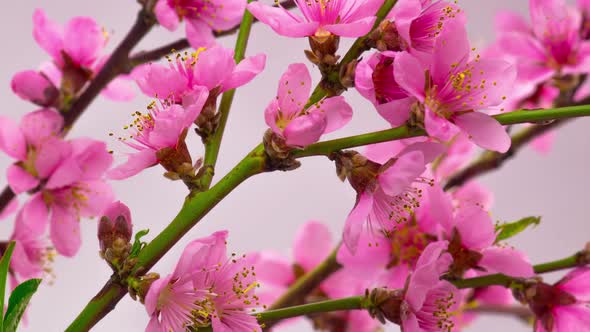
[491,160]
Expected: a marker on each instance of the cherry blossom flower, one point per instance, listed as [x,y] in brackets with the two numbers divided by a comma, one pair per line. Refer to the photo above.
[158,136]
[202,17]
[420,22]
[346,18]
[213,68]
[76,51]
[289,119]
[550,45]
[313,243]
[563,306]
[32,255]
[36,146]
[429,303]
[451,90]
[75,189]
[206,288]
[395,190]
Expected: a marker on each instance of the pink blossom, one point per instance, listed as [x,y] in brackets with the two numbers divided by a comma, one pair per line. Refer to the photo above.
[75,50]
[429,303]
[550,45]
[451,90]
[394,193]
[114,225]
[32,256]
[471,234]
[313,243]
[346,18]
[206,288]
[289,119]
[163,127]
[36,145]
[563,306]
[75,189]
[202,17]
[35,87]
[420,22]
[213,68]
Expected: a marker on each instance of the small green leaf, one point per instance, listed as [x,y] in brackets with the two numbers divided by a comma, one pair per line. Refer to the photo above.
[138,244]
[4,266]
[19,299]
[508,230]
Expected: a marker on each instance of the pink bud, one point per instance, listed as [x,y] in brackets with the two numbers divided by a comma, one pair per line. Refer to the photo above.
[35,87]
[115,225]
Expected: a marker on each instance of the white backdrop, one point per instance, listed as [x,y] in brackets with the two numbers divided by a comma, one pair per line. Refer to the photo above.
[265,212]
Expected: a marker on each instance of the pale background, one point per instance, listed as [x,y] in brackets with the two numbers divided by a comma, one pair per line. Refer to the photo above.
[265,212]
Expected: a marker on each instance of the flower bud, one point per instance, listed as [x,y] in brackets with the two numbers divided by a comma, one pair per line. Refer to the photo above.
[360,171]
[35,87]
[386,38]
[323,50]
[114,233]
[386,304]
[541,298]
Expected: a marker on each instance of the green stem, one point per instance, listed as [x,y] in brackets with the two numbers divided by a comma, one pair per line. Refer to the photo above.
[578,259]
[213,143]
[521,116]
[358,47]
[483,281]
[308,282]
[194,209]
[348,303]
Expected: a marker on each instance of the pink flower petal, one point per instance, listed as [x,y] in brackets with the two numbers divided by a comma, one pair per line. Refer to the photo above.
[214,66]
[439,127]
[313,243]
[273,270]
[20,180]
[507,261]
[39,125]
[166,15]
[451,48]
[294,88]
[354,29]
[577,282]
[120,89]
[12,140]
[199,34]
[136,163]
[338,112]
[281,21]
[305,130]
[35,214]
[35,87]
[48,34]
[396,112]
[395,179]
[484,130]
[83,40]
[409,74]
[371,256]
[50,154]
[506,22]
[356,220]
[475,226]
[572,318]
[65,231]
[245,71]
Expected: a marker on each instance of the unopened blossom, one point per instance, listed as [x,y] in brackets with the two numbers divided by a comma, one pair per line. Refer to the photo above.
[550,45]
[429,303]
[34,86]
[388,193]
[75,50]
[206,288]
[114,233]
[213,68]
[563,306]
[420,22]
[158,137]
[75,189]
[313,244]
[36,145]
[203,17]
[299,126]
[452,90]
[321,18]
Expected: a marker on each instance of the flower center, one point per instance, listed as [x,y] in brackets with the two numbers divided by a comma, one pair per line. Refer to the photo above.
[407,244]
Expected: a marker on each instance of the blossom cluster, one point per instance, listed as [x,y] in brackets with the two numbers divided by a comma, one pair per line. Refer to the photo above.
[409,237]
